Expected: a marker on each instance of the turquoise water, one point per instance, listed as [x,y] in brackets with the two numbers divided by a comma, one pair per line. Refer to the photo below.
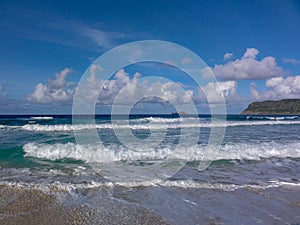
[258,152]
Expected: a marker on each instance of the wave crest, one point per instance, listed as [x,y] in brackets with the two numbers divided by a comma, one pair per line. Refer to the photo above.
[78,127]
[93,153]
[41,118]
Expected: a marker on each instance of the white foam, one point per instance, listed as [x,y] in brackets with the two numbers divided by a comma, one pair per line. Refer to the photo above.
[195,184]
[161,120]
[151,126]
[185,184]
[41,118]
[284,183]
[273,117]
[291,117]
[9,127]
[64,127]
[91,153]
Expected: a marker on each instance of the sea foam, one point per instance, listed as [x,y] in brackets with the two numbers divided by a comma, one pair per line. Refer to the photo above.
[152,126]
[94,153]
[71,187]
[41,118]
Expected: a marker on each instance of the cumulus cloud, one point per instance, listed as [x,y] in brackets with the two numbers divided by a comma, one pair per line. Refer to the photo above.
[278,88]
[228,55]
[251,53]
[216,91]
[126,88]
[0,87]
[253,91]
[249,68]
[111,88]
[186,61]
[165,91]
[58,90]
[170,92]
[291,61]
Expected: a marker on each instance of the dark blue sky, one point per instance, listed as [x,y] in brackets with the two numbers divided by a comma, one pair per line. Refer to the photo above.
[39,39]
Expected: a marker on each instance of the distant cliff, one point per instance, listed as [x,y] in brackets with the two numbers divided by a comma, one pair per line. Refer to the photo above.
[285,106]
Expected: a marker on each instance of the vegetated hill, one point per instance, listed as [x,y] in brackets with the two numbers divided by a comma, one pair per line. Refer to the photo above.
[285,106]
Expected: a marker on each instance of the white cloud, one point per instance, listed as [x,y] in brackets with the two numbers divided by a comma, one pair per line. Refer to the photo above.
[60,31]
[186,61]
[249,68]
[58,90]
[207,73]
[291,61]
[100,37]
[158,90]
[251,53]
[131,88]
[228,56]
[112,88]
[254,92]
[0,87]
[216,91]
[60,81]
[170,92]
[279,88]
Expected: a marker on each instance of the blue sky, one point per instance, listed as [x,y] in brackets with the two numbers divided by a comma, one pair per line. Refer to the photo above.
[252,47]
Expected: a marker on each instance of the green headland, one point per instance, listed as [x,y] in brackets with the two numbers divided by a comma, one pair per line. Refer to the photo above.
[281,107]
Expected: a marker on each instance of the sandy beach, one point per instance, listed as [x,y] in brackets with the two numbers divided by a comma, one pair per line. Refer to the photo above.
[22,205]
[19,205]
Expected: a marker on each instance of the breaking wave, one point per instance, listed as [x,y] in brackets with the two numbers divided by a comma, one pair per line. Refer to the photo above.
[151,126]
[71,187]
[272,117]
[93,153]
[163,120]
[41,118]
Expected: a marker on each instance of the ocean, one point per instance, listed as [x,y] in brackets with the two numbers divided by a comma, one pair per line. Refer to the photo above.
[252,177]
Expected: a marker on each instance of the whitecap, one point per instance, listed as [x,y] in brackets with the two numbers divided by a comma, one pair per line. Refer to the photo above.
[41,118]
[153,126]
[94,153]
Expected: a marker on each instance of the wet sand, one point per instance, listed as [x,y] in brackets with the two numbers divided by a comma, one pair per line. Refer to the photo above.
[19,205]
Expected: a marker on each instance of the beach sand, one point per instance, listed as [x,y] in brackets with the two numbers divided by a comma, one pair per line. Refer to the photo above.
[25,205]
[19,205]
